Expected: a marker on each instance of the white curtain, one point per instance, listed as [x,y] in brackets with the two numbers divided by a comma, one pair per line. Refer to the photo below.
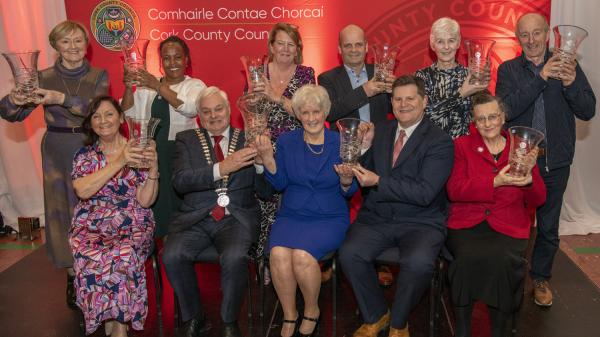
[24,25]
[581,209]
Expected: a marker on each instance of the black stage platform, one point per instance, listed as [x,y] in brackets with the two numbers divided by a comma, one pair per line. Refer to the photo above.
[32,304]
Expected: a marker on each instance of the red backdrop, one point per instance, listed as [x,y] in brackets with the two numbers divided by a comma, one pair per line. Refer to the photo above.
[219,32]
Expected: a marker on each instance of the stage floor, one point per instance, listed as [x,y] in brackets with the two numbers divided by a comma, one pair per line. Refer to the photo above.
[32,304]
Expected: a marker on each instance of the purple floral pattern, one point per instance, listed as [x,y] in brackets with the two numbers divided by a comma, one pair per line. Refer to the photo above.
[110,238]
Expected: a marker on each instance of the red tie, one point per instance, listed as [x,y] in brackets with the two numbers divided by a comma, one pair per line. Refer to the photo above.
[398,146]
[218,212]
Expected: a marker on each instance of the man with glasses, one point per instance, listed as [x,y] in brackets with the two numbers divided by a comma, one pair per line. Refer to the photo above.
[546,94]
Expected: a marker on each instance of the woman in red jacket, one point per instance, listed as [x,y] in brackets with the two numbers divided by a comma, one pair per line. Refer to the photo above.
[489,222]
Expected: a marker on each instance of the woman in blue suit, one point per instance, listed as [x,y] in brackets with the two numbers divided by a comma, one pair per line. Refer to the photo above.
[313,217]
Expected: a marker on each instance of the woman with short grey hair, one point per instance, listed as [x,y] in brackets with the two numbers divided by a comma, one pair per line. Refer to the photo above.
[313,217]
[447,82]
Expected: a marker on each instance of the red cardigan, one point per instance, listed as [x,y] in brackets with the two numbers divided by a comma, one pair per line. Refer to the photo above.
[473,196]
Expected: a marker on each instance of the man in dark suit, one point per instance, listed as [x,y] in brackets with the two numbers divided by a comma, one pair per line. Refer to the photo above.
[206,161]
[351,87]
[406,169]
[355,93]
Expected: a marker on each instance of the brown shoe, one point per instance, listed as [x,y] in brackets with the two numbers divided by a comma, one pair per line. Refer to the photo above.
[385,277]
[542,294]
[371,330]
[399,332]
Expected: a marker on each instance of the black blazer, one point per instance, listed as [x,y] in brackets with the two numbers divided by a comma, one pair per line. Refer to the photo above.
[345,101]
[413,191]
[193,178]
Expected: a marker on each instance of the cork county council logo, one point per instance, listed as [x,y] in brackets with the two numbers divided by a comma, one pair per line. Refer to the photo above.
[113,21]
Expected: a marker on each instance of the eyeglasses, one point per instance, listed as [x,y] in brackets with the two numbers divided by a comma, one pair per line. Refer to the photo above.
[282,44]
[493,118]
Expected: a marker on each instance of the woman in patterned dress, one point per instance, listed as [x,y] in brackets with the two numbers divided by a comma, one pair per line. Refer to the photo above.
[112,229]
[284,75]
[447,82]
[65,91]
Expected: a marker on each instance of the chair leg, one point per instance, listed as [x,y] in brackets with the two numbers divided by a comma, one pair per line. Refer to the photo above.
[176,311]
[157,286]
[435,297]
[515,318]
[334,296]
[249,297]
[261,280]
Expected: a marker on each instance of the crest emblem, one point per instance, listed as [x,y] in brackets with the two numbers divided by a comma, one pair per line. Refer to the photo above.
[113,21]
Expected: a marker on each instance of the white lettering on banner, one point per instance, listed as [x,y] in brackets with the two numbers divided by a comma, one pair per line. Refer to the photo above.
[219,35]
[180,14]
[237,14]
[242,34]
[157,35]
[285,13]
[494,11]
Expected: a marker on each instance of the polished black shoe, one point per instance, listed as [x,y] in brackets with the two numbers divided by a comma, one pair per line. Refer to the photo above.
[313,332]
[195,327]
[71,295]
[231,330]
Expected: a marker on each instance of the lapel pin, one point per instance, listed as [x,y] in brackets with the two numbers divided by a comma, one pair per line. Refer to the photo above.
[479,149]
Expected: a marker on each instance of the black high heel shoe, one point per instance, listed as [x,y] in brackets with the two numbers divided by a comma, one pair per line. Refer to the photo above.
[296,323]
[71,295]
[313,333]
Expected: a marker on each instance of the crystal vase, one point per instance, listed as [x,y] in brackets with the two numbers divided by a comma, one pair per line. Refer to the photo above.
[24,69]
[385,61]
[255,111]
[522,141]
[351,136]
[134,56]
[255,67]
[479,59]
[142,131]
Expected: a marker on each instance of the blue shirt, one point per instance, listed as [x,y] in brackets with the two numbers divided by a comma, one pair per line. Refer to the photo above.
[357,80]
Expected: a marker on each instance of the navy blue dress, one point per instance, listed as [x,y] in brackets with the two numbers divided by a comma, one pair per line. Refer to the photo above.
[313,215]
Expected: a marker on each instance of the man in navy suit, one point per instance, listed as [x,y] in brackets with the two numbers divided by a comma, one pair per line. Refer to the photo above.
[351,87]
[206,160]
[406,168]
[355,93]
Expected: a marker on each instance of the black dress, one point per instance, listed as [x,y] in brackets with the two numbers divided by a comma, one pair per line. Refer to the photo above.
[488,266]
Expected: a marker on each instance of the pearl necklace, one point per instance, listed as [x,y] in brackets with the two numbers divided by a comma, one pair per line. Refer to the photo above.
[311,149]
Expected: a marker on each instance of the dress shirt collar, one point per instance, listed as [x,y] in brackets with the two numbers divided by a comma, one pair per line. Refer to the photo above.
[409,130]
[225,134]
[351,73]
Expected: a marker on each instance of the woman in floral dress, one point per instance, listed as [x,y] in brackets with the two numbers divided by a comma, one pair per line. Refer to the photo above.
[112,229]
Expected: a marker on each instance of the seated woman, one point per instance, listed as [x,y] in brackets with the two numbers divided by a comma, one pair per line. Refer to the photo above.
[489,220]
[112,229]
[313,217]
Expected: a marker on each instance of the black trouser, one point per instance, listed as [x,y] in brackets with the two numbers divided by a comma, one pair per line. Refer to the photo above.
[182,250]
[419,247]
[548,217]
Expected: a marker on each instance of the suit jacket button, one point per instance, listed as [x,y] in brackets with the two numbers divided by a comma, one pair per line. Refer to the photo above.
[495,170]
[488,212]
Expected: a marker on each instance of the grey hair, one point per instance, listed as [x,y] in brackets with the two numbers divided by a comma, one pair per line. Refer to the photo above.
[444,25]
[211,91]
[311,93]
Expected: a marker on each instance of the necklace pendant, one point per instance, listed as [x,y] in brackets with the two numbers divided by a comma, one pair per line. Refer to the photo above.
[222,197]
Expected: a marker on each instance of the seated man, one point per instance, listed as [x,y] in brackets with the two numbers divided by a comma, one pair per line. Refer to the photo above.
[406,169]
[214,173]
